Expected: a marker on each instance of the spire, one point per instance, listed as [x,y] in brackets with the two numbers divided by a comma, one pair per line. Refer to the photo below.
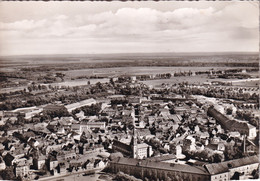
[134,138]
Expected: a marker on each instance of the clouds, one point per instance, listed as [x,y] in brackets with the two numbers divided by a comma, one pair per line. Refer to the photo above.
[136,30]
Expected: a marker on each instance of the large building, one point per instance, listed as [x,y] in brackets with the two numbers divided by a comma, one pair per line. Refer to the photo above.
[233,125]
[154,170]
[227,170]
[27,112]
[87,102]
[86,126]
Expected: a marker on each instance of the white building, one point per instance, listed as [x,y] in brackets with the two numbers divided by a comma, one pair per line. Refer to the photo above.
[92,125]
[87,102]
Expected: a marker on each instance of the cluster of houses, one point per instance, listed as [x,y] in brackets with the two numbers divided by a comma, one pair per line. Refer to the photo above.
[174,136]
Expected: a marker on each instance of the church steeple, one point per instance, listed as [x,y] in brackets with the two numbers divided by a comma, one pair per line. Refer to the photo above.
[134,144]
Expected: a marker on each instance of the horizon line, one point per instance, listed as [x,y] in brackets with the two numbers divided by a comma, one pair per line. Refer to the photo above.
[60,54]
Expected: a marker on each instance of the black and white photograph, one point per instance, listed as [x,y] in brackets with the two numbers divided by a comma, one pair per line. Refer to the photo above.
[129,91]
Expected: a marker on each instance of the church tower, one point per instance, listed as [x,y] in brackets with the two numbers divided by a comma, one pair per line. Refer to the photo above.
[134,144]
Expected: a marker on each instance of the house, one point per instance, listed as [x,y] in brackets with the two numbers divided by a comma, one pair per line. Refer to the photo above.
[144,133]
[52,163]
[2,164]
[89,164]
[151,119]
[85,126]
[249,146]
[99,163]
[244,128]
[80,115]
[179,154]
[142,150]
[62,168]
[134,99]
[32,142]
[39,162]
[75,128]
[176,118]
[74,135]
[216,147]
[8,158]
[22,170]
[189,143]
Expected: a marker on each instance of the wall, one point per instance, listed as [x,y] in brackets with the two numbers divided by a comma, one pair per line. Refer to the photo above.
[220,177]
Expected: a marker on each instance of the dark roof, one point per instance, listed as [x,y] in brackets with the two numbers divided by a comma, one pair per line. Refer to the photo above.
[241,125]
[216,168]
[53,107]
[212,146]
[162,158]
[226,122]
[122,145]
[223,120]
[162,165]
[143,132]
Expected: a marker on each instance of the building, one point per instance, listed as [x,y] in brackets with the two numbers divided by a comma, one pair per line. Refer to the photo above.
[87,102]
[29,112]
[233,125]
[52,164]
[134,149]
[2,164]
[22,170]
[142,150]
[91,125]
[39,162]
[125,149]
[153,170]
[249,146]
[244,128]
[53,107]
[226,170]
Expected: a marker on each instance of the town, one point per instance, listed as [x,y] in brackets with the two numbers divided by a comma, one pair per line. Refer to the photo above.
[124,127]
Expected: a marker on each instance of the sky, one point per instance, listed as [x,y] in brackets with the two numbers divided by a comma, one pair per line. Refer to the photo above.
[31,28]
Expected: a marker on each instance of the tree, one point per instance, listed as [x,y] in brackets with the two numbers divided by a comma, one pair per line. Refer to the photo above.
[63,112]
[30,89]
[229,111]
[217,158]
[112,81]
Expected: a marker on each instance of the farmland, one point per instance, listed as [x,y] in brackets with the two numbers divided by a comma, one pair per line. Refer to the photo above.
[18,71]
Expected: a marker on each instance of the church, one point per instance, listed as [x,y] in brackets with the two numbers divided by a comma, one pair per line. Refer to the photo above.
[133,150]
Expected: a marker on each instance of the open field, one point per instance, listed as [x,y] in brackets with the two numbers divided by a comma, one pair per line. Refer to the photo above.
[19,71]
[80,82]
[200,79]
[134,59]
[115,71]
[246,83]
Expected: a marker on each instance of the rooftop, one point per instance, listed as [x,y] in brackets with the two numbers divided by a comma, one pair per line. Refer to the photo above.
[162,165]
[216,168]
